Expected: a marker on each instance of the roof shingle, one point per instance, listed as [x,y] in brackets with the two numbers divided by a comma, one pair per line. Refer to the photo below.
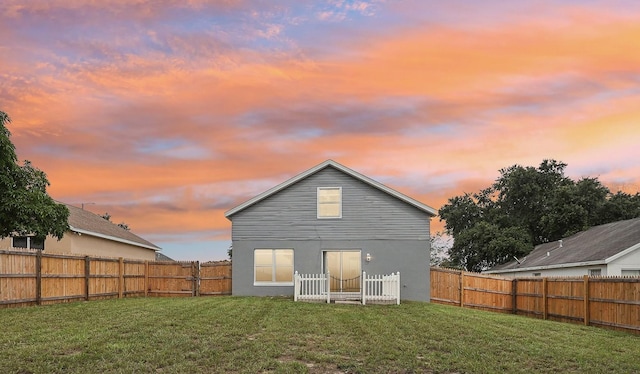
[595,244]
[90,223]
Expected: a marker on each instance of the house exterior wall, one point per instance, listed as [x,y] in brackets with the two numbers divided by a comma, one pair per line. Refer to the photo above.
[394,233]
[367,213]
[630,261]
[87,245]
[51,244]
[576,271]
[409,257]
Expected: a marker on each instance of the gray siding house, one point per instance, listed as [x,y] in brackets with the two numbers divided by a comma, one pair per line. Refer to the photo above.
[330,219]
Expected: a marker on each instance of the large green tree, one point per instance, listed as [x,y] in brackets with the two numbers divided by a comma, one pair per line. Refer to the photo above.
[25,206]
[527,206]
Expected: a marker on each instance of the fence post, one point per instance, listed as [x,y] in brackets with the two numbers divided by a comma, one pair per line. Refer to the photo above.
[398,290]
[146,278]
[296,286]
[120,277]
[195,271]
[364,288]
[587,315]
[514,296]
[461,288]
[87,272]
[39,277]
[545,309]
[328,288]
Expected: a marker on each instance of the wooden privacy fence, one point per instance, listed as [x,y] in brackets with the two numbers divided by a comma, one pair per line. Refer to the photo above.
[612,302]
[28,278]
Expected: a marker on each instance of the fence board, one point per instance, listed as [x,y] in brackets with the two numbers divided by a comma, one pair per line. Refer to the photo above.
[610,302]
[34,277]
[215,278]
[483,292]
[615,302]
[103,278]
[62,278]
[529,297]
[134,278]
[170,279]
[17,278]
[445,286]
[28,278]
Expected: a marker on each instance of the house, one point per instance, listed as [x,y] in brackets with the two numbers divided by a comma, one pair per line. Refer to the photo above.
[612,249]
[89,235]
[330,219]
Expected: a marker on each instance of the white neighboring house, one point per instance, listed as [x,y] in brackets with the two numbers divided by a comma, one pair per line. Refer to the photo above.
[612,249]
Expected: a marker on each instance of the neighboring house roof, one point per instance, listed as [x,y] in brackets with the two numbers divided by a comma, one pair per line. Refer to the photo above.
[595,246]
[330,163]
[87,223]
[163,257]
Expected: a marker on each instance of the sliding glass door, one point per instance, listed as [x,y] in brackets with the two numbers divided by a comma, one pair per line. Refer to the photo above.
[344,269]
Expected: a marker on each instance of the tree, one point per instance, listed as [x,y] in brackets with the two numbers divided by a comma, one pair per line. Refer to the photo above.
[486,244]
[525,195]
[619,206]
[524,207]
[25,206]
[440,245]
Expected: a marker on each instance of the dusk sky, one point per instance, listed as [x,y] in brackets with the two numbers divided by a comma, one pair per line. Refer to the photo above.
[167,113]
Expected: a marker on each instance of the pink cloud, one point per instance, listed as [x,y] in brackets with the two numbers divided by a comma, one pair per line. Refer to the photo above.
[202,120]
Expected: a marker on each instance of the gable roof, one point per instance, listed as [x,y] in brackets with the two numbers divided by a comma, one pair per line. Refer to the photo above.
[88,223]
[597,245]
[330,163]
[163,257]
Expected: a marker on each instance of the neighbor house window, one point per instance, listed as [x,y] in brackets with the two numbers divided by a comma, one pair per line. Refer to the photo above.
[28,242]
[630,273]
[273,267]
[329,202]
[537,274]
[595,272]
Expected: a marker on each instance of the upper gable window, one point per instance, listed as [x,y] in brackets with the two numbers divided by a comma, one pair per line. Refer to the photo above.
[329,202]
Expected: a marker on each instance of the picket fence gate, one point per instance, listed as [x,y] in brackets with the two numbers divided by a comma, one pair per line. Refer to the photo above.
[374,289]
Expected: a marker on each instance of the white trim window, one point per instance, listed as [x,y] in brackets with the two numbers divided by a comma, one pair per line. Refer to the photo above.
[595,272]
[329,202]
[273,267]
[27,242]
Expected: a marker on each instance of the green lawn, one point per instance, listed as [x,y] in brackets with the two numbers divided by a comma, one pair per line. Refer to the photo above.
[230,334]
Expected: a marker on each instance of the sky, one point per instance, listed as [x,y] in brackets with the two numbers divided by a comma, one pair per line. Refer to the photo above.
[167,113]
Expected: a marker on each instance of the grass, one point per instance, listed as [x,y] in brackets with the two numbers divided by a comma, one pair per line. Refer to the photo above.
[233,334]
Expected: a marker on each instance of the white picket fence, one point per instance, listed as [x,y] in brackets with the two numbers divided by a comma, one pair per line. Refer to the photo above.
[381,288]
[375,288]
[311,287]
